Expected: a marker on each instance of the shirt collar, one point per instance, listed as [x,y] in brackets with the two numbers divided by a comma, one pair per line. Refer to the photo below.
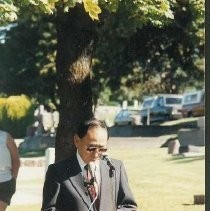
[83,164]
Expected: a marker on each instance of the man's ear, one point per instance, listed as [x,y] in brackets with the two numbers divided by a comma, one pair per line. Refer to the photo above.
[76,139]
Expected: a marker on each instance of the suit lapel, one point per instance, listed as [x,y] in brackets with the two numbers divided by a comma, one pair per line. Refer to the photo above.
[106,188]
[76,180]
[77,183]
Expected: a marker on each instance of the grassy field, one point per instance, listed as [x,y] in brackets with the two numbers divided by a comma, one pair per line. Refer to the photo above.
[160,182]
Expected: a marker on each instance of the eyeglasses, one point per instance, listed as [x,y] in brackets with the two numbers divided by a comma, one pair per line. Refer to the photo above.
[93,149]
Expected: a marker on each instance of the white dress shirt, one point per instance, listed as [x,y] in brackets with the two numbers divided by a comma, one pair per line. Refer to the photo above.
[95,168]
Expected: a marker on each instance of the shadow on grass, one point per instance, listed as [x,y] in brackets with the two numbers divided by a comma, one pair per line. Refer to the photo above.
[187,204]
[193,204]
[181,159]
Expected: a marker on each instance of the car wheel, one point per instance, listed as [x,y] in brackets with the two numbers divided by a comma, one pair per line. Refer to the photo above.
[167,117]
[190,114]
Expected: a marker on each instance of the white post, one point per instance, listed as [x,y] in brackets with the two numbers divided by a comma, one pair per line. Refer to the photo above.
[125,104]
[49,157]
[148,116]
[135,104]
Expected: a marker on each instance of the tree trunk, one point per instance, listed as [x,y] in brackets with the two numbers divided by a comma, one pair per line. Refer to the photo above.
[76,37]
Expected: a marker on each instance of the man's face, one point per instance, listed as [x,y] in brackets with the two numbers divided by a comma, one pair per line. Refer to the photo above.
[92,145]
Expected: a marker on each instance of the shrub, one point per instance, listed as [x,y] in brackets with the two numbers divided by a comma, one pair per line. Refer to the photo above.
[16,113]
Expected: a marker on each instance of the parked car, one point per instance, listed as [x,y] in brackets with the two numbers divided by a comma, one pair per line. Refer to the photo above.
[162,107]
[193,104]
[174,101]
[128,117]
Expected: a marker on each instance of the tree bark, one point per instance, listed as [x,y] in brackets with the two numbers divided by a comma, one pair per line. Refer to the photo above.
[76,37]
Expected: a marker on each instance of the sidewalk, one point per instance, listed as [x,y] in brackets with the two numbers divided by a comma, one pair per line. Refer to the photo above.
[29,185]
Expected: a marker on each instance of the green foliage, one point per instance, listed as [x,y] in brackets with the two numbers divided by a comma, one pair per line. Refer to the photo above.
[152,59]
[2,107]
[27,61]
[142,49]
[17,107]
[92,8]
[16,113]
[8,12]
[139,11]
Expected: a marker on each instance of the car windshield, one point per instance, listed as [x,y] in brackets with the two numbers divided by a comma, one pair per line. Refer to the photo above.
[134,112]
[173,100]
[126,113]
[190,98]
[147,103]
[120,114]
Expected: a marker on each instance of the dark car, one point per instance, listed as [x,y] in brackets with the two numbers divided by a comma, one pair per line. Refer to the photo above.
[162,107]
[193,104]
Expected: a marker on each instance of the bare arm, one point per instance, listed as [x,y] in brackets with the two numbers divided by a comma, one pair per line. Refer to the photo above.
[14,155]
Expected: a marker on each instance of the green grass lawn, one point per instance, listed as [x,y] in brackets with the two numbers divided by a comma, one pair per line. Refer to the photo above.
[160,182]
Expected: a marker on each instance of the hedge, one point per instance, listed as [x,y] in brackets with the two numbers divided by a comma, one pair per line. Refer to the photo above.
[16,113]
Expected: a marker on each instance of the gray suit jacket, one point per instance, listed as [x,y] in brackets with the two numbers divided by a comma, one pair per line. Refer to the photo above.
[64,188]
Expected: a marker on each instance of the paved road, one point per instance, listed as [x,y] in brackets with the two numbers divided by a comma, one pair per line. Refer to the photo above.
[31,193]
[29,186]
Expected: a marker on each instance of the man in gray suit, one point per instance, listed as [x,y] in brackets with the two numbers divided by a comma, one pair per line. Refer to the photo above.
[88,180]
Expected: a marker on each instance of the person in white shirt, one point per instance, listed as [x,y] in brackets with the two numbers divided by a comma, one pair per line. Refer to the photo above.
[9,167]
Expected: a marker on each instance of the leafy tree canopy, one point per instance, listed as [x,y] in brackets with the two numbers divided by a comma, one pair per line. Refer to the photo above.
[28,59]
[131,15]
[153,59]
[141,11]
[127,56]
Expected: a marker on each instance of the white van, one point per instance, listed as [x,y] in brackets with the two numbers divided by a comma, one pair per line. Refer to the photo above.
[193,104]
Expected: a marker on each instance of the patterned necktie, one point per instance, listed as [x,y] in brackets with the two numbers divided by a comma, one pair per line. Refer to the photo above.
[91,187]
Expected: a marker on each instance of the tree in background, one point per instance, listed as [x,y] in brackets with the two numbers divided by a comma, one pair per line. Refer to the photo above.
[76,24]
[28,59]
[154,59]
[159,67]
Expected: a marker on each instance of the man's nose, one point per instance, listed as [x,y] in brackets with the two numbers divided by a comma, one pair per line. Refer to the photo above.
[96,153]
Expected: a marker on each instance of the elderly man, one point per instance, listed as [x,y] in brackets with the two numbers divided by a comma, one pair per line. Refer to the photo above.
[88,180]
